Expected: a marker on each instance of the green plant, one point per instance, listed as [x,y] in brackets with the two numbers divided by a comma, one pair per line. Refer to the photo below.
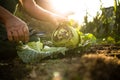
[65,35]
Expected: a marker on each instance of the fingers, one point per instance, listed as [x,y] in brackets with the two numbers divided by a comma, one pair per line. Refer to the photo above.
[21,34]
[10,38]
[26,34]
[15,36]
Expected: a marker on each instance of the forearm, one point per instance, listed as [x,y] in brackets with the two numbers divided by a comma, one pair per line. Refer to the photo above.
[5,15]
[17,30]
[36,11]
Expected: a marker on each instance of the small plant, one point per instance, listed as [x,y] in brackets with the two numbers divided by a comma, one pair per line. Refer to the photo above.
[65,38]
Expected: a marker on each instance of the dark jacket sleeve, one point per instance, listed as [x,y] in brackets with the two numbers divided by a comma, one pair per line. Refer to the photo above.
[9,4]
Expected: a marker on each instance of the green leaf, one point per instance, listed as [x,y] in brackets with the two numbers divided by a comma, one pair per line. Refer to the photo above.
[34,51]
[88,39]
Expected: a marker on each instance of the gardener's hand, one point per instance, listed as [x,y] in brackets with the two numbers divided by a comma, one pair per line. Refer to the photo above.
[17,30]
[60,19]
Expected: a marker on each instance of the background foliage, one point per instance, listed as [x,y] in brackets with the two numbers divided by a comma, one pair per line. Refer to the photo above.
[105,25]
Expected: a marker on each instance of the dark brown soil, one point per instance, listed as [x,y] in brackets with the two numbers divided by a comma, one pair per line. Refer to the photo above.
[100,62]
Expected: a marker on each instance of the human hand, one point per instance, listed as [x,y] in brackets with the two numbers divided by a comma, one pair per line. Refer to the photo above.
[57,19]
[61,19]
[17,30]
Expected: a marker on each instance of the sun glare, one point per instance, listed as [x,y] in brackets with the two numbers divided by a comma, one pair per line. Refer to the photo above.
[79,8]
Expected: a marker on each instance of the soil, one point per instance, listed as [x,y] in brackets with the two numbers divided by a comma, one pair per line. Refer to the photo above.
[100,62]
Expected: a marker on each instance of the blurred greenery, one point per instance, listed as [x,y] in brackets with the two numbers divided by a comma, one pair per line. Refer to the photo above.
[102,25]
[106,25]
[104,29]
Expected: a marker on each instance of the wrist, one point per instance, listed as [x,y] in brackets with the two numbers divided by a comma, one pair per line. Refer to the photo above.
[5,15]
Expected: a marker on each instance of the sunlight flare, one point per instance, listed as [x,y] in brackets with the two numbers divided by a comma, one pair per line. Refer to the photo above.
[79,8]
